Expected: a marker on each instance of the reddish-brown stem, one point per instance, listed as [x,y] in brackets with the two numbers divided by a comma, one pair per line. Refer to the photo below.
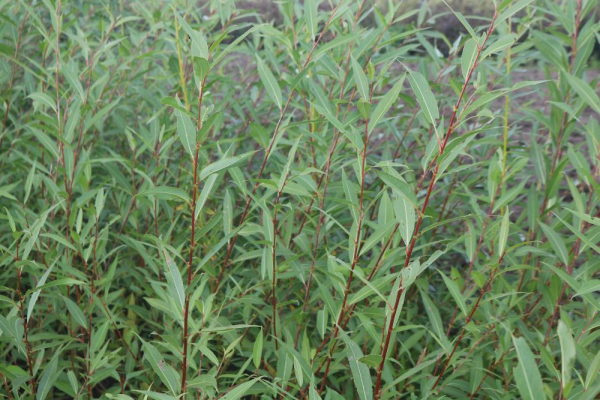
[195,183]
[451,128]
[355,257]
[274,262]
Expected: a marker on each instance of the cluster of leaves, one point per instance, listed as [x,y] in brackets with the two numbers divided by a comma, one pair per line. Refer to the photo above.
[198,204]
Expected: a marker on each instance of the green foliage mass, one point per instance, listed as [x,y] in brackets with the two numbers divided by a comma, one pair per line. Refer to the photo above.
[344,204]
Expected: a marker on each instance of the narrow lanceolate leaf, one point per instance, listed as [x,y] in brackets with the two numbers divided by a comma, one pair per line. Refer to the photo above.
[199,45]
[360,371]
[35,295]
[424,96]
[223,164]
[385,103]
[166,193]
[575,285]
[48,378]
[34,231]
[310,14]
[512,10]
[585,92]
[469,56]
[73,80]
[434,316]
[165,372]
[557,243]
[175,283]
[503,235]
[257,349]
[502,43]
[377,236]
[76,312]
[465,23]
[148,394]
[567,352]
[405,215]
[270,83]
[186,130]
[455,292]
[362,83]
[527,375]
[240,390]
[208,186]
[313,394]
[592,373]
[286,169]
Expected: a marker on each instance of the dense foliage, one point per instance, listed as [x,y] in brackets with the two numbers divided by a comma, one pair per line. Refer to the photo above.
[197,203]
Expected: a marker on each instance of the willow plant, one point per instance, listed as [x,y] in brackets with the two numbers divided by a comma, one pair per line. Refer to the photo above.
[331,200]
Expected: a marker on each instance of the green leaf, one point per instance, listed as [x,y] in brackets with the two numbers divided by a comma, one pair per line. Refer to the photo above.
[48,378]
[557,243]
[34,231]
[48,143]
[385,103]
[73,80]
[502,43]
[568,352]
[165,372]
[377,236]
[362,83]
[186,130]
[223,164]
[360,371]
[527,375]
[204,193]
[425,97]
[310,14]
[174,280]
[406,217]
[455,292]
[399,186]
[585,92]
[172,102]
[516,7]
[434,316]
[575,285]
[237,41]
[503,234]
[593,369]
[270,83]
[240,390]
[76,312]
[469,57]
[199,45]
[35,295]
[466,24]
[257,349]
[156,395]
[166,193]
[43,98]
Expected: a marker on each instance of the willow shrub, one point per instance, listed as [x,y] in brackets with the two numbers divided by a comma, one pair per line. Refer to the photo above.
[199,204]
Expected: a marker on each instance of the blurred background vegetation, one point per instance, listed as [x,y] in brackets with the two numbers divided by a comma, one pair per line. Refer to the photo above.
[437,12]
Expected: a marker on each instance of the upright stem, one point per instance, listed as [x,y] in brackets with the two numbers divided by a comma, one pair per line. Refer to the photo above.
[192,243]
[356,252]
[451,128]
